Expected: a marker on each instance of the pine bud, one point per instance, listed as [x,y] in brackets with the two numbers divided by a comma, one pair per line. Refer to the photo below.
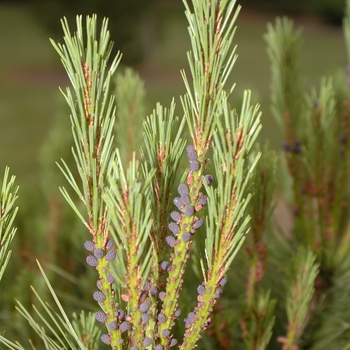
[194,165]
[190,319]
[186,236]
[189,210]
[209,179]
[101,316]
[144,307]
[162,318]
[120,314]
[223,281]
[170,241]
[110,255]
[173,342]
[175,215]
[177,202]
[201,289]
[165,265]
[153,290]
[165,333]
[98,252]
[112,326]
[99,297]
[191,152]
[89,245]
[182,189]
[218,293]
[174,228]
[158,347]
[147,342]
[110,244]
[202,200]
[145,318]
[110,278]
[124,326]
[197,224]
[91,260]
[105,338]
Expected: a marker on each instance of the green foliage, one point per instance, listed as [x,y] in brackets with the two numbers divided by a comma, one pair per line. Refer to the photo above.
[8,211]
[147,215]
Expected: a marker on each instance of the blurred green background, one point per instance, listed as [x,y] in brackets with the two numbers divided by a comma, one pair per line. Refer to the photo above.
[31,71]
[34,122]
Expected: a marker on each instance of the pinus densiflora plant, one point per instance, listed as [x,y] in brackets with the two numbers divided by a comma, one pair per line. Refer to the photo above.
[152,221]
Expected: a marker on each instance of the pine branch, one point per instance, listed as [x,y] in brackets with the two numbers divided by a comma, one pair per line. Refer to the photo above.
[92,119]
[302,286]
[8,211]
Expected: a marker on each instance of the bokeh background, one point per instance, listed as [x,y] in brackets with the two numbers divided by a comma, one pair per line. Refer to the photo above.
[152,34]
[34,121]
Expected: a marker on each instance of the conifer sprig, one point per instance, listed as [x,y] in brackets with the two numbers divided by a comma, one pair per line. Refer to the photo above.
[8,212]
[93,114]
[211,29]
[303,274]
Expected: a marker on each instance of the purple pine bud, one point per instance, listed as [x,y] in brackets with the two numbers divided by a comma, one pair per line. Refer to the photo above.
[110,278]
[189,210]
[190,319]
[105,338]
[112,326]
[177,313]
[98,252]
[182,189]
[109,244]
[110,255]
[89,245]
[91,260]
[147,342]
[286,146]
[197,224]
[161,296]
[191,152]
[145,318]
[186,236]
[120,314]
[162,318]
[209,179]
[177,202]
[173,342]
[165,265]
[185,199]
[202,200]
[101,316]
[174,228]
[201,289]
[175,215]
[296,148]
[158,347]
[144,307]
[194,165]
[218,293]
[153,290]
[99,285]
[170,241]
[165,333]
[124,326]
[223,281]
[134,347]
[146,285]
[99,297]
